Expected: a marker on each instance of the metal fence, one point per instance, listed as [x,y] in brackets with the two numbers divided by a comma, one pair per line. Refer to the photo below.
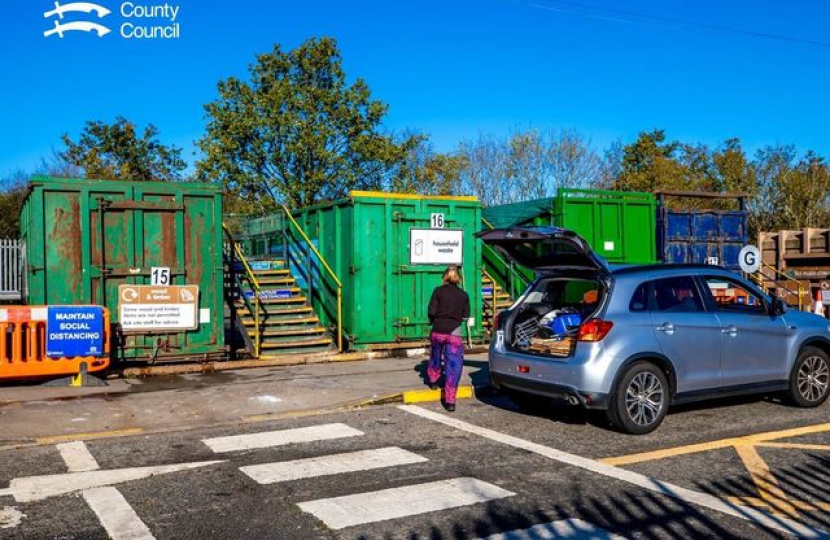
[12,265]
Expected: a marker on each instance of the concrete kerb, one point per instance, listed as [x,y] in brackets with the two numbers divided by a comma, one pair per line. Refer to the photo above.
[273,361]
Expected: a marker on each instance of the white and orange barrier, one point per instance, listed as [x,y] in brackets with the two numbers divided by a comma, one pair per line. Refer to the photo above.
[26,338]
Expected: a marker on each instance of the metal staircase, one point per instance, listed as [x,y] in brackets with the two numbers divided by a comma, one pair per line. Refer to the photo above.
[267,308]
[494,299]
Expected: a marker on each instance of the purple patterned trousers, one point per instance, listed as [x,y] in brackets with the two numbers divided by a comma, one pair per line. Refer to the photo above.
[450,350]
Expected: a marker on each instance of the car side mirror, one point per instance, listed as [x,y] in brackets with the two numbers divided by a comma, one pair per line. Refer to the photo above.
[777,307]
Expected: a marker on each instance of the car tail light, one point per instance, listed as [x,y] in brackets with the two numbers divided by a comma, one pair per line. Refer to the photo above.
[499,320]
[594,330]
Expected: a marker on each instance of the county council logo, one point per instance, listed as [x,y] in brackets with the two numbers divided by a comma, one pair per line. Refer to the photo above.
[77,26]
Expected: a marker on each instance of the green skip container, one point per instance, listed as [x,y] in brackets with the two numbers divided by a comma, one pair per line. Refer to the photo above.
[84,238]
[389,251]
[620,226]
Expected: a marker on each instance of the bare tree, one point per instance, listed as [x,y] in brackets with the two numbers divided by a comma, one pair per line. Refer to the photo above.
[528,165]
[486,173]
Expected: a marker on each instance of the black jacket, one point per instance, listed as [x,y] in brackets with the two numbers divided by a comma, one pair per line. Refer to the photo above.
[448,308]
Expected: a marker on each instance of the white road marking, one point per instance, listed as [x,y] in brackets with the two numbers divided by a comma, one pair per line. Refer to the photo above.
[265,399]
[116,515]
[685,495]
[36,488]
[567,529]
[77,457]
[361,508]
[279,438]
[10,517]
[269,473]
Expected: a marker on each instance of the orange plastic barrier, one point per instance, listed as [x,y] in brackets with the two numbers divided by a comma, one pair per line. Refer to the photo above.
[23,346]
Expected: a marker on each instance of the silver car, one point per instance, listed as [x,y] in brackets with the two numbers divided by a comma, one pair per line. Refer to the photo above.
[634,340]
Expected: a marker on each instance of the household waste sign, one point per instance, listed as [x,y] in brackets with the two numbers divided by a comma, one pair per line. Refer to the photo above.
[436,246]
[74,331]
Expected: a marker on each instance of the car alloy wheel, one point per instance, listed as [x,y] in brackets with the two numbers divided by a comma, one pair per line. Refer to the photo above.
[813,378]
[644,399]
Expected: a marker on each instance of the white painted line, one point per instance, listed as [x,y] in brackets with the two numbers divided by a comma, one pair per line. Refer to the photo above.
[116,515]
[364,460]
[77,457]
[36,488]
[685,495]
[361,508]
[280,438]
[567,529]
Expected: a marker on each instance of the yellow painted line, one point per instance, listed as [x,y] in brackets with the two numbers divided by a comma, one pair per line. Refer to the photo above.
[786,433]
[421,396]
[760,503]
[88,436]
[715,445]
[669,452]
[765,482]
[384,195]
[795,446]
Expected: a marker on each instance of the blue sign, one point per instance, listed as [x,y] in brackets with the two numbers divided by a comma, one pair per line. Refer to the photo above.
[270,294]
[73,331]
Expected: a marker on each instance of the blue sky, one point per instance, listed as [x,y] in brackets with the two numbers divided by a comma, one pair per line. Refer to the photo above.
[452,69]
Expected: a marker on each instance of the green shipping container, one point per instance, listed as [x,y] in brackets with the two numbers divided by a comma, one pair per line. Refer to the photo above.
[84,238]
[620,226]
[380,246]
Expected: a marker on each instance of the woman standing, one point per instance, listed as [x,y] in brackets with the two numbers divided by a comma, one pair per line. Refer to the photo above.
[449,307]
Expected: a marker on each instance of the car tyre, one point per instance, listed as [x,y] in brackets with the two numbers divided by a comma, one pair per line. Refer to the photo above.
[810,378]
[640,399]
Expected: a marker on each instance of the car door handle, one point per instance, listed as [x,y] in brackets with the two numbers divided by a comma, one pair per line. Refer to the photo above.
[667,328]
[730,331]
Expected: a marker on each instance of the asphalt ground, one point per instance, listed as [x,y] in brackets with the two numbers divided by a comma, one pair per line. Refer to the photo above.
[750,468]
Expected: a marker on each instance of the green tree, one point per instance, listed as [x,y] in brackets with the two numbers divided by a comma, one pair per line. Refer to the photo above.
[12,193]
[296,131]
[116,151]
[425,171]
[651,163]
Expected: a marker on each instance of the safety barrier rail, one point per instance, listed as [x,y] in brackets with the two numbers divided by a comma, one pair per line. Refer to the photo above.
[233,254]
[799,291]
[325,291]
[23,345]
[12,264]
[508,276]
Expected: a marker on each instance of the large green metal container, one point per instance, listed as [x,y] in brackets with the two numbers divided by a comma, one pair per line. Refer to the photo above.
[619,225]
[84,238]
[366,240]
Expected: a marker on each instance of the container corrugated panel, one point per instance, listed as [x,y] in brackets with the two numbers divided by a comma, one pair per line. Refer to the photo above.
[365,238]
[619,226]
[678,226]
[86,237]
[702,236]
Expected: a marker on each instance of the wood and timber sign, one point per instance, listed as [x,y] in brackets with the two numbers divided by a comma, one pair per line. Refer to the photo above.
[154,308]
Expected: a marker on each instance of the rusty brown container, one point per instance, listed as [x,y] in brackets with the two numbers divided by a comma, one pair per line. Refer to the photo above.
[85,238]
[801,257]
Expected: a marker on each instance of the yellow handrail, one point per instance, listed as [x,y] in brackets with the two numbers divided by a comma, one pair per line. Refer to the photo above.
[331,273]
[490,225]
[254,285]
[798,284]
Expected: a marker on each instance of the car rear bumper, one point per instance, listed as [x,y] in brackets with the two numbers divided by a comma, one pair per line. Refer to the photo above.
[589,400]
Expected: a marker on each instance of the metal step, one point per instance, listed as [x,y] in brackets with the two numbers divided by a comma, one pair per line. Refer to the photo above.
[282,321]
[310,330]
[268,281]
[273,272]
[297,343]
